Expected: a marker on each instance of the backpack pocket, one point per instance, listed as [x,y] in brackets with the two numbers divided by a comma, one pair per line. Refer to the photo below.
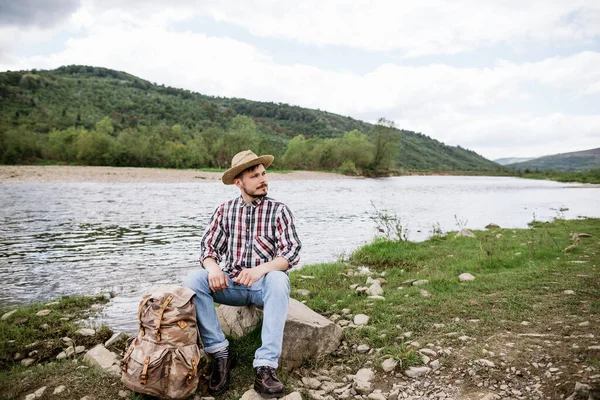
[146,369]
[187,363]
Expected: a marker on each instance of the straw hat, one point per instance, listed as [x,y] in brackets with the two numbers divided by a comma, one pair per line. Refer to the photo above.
[243,160]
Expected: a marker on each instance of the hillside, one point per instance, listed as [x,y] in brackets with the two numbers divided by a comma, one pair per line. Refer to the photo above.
[575,161]
[97,116]
[512,160]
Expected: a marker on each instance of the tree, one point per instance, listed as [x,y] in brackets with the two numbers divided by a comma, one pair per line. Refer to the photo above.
[385,143]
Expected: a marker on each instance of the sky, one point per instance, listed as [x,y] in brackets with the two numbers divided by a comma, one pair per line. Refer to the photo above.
[505,78]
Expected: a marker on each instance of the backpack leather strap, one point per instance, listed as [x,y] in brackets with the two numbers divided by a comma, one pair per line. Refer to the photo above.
[160,315]
[142,305]
[144,377]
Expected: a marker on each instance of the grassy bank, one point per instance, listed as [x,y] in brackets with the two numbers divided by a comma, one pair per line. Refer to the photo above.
[525,284]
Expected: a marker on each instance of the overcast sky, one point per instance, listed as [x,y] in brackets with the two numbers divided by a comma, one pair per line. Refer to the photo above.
[501,77]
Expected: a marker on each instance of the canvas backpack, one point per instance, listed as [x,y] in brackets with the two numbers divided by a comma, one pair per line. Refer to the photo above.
[165,359]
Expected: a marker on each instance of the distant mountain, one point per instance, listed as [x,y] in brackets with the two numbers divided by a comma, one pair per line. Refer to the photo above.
[575,161]
[512,160]
[44,115]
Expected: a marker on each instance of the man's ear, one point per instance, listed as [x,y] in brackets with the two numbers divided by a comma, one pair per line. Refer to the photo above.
[238,182]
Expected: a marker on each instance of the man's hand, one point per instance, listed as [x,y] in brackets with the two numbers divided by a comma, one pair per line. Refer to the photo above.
[250,275]
[217,279]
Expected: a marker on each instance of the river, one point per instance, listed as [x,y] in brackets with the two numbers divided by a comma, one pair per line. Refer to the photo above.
[88,238]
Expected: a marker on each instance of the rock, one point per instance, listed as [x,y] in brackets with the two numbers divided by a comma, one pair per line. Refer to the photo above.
[20,321]
[424,293]
[311,383]
[375,290]
[86,332]
[435,364]
[7,315]
[420,282]
[377,396]
[302,292]
[99,356]
[238,321]
[115,338]
[463,338]
[439,326]
[69,351]
[428,352]
[27,362]
[363,348]
[124,393]
[61,356]
[490,396]
[425,359]
[465,277]
[376,297]
[30,396]
[414,372]
[568,292]
[388,365]
[408,282]
[346,311]
[361,319]
[485,363]
[44,327]
[365,375]
[42,313]
[307,334]
[40,392]
[465,233]
[492,226]
[362,290]
[362,387]
[59,389]
[293,396]
[79,349]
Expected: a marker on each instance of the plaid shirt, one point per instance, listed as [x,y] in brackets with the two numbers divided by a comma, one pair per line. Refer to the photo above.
[241,235]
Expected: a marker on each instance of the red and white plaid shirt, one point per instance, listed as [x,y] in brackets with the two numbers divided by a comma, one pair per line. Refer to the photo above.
[246,235]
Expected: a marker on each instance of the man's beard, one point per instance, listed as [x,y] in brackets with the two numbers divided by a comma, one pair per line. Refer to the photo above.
[258,192]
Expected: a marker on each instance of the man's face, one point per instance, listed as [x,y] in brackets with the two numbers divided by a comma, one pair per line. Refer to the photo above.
[253,182]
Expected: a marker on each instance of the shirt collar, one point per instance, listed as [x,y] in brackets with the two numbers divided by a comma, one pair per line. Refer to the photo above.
[254,204]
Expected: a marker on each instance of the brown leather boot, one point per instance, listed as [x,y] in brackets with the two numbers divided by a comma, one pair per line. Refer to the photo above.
[266,383]
[220,377]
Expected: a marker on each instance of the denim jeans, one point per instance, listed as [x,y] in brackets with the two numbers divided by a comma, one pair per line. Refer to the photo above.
[271,292]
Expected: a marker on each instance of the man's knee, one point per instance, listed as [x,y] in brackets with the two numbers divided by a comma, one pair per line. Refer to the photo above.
[278,281]
[196,280]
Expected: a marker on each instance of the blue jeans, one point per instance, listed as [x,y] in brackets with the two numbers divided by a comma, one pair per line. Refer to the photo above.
[271,292]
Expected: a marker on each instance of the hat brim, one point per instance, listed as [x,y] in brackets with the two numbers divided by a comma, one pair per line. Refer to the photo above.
[231,173]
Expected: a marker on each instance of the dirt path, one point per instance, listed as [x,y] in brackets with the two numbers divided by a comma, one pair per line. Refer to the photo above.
[60,174]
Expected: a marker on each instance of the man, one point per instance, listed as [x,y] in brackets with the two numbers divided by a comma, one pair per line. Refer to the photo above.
[248,244]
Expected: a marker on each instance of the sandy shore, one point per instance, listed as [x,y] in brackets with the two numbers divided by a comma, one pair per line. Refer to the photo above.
[57,174]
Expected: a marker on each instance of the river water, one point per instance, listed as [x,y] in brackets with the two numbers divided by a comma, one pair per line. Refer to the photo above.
[89,238]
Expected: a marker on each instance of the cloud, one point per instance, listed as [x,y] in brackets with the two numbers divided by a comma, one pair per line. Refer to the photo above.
[25,13]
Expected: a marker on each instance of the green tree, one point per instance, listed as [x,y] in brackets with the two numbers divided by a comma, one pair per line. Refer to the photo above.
[385,141]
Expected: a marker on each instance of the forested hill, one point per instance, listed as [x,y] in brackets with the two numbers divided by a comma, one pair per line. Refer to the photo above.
[98,116]
[575,161]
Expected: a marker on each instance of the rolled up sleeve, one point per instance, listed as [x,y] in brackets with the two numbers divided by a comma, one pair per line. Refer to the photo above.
[214,240]
[287,238]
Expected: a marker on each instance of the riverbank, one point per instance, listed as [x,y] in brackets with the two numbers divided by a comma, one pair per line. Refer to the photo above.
[522,325]
[72,174]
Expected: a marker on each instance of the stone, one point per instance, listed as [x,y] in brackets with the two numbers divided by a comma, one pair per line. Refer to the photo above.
[365,375]
[375,290]
[79,349]
[86,332]
[439,326]
[311,383]
[361,319]
[59,389]
[44,327]
[414,372]
[7,315]
[465,233]
[238,321]
[485,363]
[346,311]
[307,335]
[115,338]
[465,277]
[302,292]
[363,348]
[30,396]
[428,352]
[27,362]
[491,225]
[70,351]
[420,282]
[424,293]
[43,313]
[376,297]
[61,356]
[124,393]
[435,364]
[389,364]
[490,396]
[101,357]
[20,321]
[293,396]
[568,292]
[40,392]
[377,396]
[362,387]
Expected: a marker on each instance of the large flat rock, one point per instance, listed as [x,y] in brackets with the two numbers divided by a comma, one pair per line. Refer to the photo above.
[307,334]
